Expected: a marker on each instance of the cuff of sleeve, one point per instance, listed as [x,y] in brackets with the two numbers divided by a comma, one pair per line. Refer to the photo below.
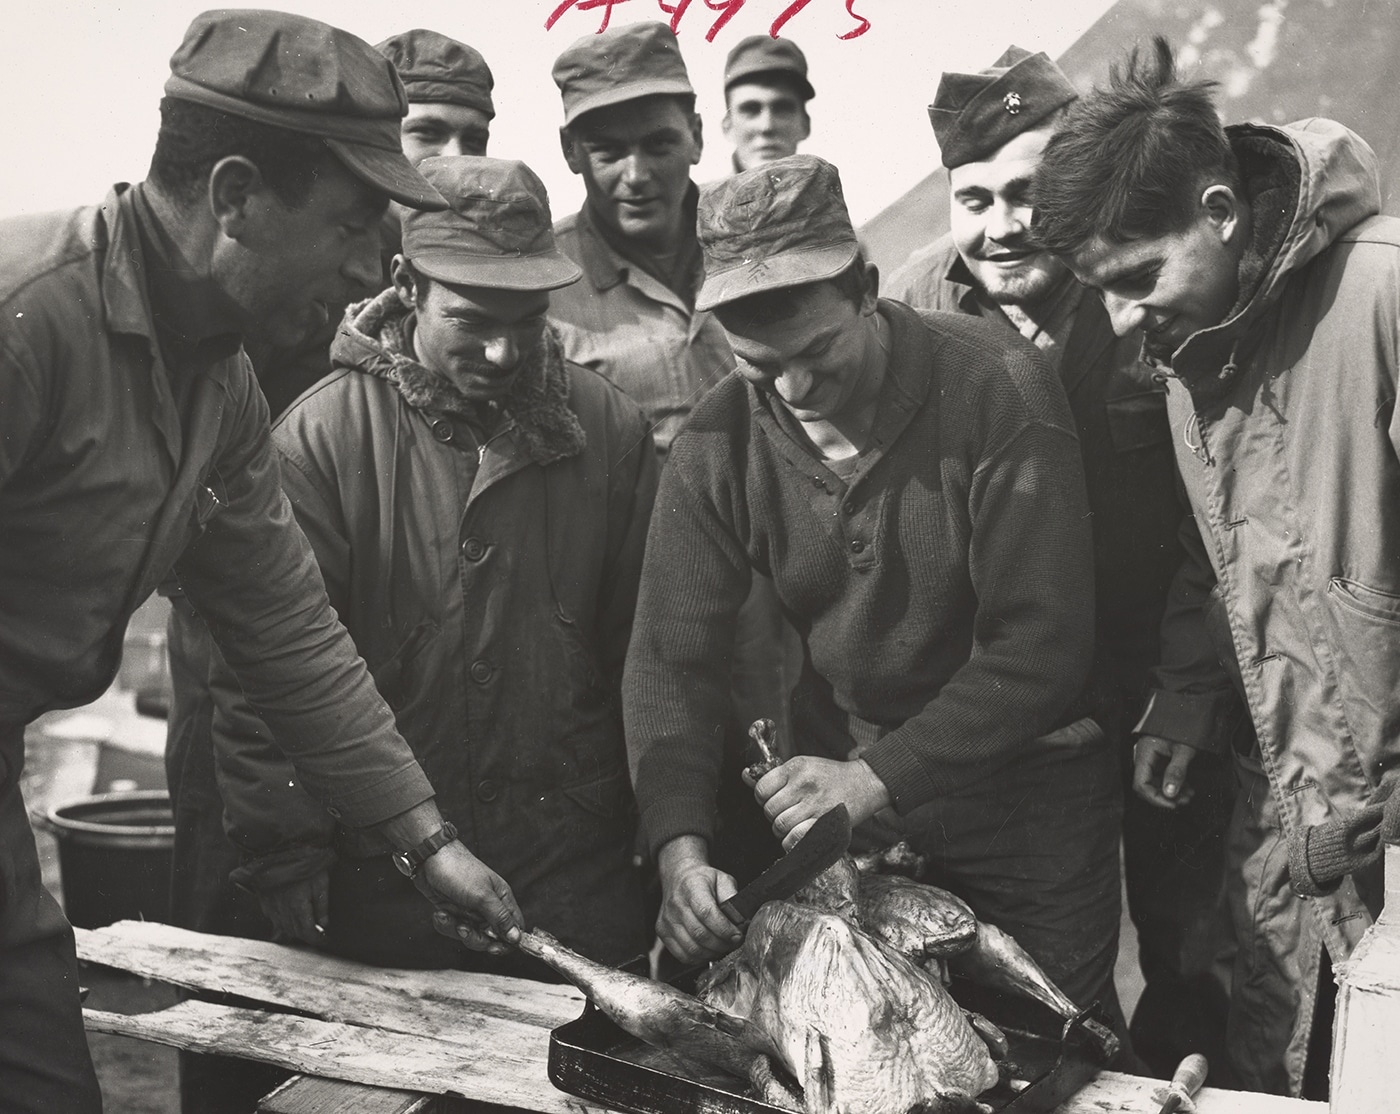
[669,817]
[398,792]
[1200,720]
[910,781]
[282,868]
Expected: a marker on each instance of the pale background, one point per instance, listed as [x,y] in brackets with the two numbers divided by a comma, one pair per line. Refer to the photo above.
[81,80]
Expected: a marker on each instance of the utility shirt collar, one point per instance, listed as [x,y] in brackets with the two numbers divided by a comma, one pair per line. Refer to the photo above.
[607,266]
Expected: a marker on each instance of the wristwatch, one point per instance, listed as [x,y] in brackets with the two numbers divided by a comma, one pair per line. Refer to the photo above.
[411,861]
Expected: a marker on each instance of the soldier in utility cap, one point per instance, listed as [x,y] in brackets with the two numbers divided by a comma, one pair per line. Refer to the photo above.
[913,486]
[992,128]
[531,480]
[136,445]
[448,85]
[632,133]
[765,100]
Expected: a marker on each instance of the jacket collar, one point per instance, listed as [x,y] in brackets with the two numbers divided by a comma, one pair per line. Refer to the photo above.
[376,338]
[605,267]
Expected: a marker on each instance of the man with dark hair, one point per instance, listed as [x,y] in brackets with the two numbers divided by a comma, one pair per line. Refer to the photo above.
[766,91]
[991,128]
[631,132]
[134,445]
[478,507]
[912,485]
[1268,290]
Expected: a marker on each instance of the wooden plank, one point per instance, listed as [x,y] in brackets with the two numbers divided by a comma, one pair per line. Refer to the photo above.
[451,1005]
[506,1073]
[305,1094]
[1114,1093]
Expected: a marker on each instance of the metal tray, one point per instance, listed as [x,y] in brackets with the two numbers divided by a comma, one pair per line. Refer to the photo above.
[595,1060]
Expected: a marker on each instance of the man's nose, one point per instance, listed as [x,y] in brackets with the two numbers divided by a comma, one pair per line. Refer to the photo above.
[1008,222]
[636,169]
[363,266]
[794,384]
[1123,313]
[502,351]
[453,148]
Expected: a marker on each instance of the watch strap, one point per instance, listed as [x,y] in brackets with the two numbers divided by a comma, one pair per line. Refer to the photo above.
[414,857]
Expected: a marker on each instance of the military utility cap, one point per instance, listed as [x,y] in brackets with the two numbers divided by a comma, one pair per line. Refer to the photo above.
[497,231]
[291,72]
[437,70]
[974,115]
[780,224]
[762,54]
[621,64]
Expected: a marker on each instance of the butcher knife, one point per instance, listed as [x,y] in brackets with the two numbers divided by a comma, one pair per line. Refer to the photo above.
[825,842]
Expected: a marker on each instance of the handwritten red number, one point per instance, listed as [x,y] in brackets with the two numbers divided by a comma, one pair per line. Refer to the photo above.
[728,9]
[864,23]
[797,5]
[584,6]
[676,11]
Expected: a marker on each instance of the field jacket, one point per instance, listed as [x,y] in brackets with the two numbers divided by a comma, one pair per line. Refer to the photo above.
[490,587]
[1287,435]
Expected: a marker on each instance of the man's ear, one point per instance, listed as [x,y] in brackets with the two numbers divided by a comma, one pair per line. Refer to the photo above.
[806,126]
[726,124]
[871,297]
[405,281]
[697,133]
[234,183]
[1222,209]
[572,155]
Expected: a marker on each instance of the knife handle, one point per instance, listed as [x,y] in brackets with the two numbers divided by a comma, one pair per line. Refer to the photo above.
[730,910]
[1187,1080]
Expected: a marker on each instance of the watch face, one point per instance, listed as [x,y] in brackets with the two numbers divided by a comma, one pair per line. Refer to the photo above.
[403,863]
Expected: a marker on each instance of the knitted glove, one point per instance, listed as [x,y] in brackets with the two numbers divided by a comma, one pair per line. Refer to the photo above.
[1321,855]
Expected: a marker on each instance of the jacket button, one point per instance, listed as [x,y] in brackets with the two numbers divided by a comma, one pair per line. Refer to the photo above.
[473,550]
[334,812]
[857,546]
[442,430]
[481,671]
[487,791]
[849,508]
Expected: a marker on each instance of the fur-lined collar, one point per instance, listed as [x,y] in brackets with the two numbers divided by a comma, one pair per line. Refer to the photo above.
[376,338]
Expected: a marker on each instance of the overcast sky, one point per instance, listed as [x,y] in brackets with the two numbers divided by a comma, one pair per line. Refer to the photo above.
[81,81]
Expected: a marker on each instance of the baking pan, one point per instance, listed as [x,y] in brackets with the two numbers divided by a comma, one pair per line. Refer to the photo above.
[595,1060]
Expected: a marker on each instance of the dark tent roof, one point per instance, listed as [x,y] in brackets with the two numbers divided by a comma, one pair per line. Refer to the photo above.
[1276,61]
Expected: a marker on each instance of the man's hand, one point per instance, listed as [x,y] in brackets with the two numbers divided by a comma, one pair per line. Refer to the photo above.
[474,903]
[691,923]
[1159,771]
[799,791]
[300,910]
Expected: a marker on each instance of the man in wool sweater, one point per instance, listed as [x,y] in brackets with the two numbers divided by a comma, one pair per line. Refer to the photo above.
[912,485]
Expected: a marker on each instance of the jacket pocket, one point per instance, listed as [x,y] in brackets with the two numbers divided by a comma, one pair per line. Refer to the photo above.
[1138,421]
[1352,595]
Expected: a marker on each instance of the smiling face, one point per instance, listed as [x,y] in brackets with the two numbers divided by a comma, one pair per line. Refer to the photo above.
[282,266]
[764,122]
[1172,285]
[635,160]
[990,220]
[480,339]
[820,359]
[432,129]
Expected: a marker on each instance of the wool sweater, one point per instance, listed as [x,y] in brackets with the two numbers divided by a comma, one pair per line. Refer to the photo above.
[943,590]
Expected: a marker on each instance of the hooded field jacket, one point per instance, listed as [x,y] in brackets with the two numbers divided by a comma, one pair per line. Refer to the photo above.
[490,587]
[1287,439]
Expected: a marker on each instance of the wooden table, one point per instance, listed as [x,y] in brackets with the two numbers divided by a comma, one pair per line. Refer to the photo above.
[408,1038]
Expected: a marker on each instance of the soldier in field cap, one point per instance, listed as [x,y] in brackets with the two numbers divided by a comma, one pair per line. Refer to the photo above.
[134,445]
[912,485]
[453,421]
[632,134]
[991,128]
[765,100]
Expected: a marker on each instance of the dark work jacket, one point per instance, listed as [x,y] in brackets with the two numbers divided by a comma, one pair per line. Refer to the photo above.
[1120,414]
[490,590]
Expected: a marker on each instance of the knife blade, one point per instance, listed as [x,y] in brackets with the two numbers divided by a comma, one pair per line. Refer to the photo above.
[825,842]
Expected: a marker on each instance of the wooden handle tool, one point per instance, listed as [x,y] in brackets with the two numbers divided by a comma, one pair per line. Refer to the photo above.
[1187,1080]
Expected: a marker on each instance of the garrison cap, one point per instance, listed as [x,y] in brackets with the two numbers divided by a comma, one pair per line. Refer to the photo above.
[438,70]
[621,64]
[763,54]
[291,72]
[781,224]
[497,231]
[974,115]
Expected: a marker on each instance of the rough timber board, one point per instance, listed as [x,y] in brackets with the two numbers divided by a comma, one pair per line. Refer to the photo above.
[449,1005]
[491,1071]
[1114,1093]
[305,1094]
